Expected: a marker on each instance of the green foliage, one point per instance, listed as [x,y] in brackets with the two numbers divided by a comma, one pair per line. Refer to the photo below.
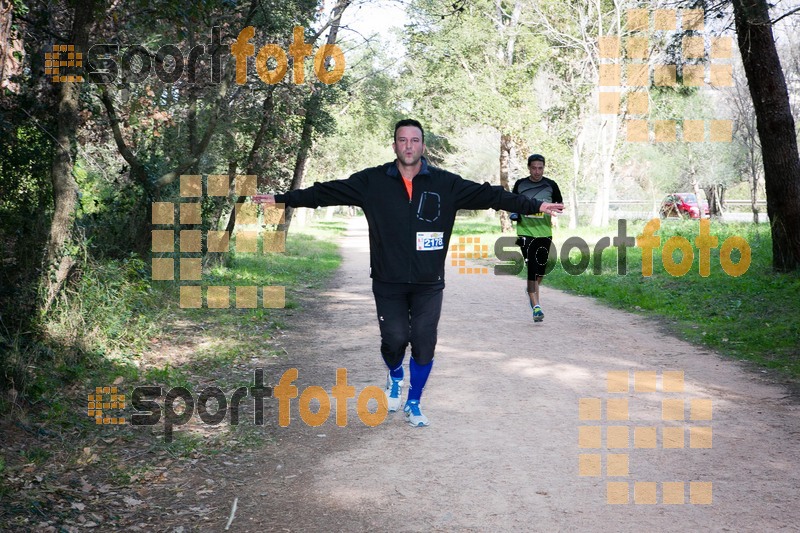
[754,316]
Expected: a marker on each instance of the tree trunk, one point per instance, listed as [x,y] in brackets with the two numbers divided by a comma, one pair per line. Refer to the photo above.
[505,156]
[775,129]
[309,120]
[58,263]
[253,157]
[302,155]
[754,194]
[577,151]
[9,44]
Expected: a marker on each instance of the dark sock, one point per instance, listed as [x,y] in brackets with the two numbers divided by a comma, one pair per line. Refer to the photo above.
[419,376]
[397,373]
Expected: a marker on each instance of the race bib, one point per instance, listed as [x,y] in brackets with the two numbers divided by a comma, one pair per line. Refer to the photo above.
[428,241]
[535,215]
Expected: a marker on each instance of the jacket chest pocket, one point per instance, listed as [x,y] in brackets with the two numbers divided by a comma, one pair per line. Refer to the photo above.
[429,209]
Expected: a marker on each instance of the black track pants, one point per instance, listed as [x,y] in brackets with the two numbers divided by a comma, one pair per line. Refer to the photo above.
[408,312]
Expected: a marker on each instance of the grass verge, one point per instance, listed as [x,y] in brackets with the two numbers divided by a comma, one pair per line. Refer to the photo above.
[753,316]
[116,328]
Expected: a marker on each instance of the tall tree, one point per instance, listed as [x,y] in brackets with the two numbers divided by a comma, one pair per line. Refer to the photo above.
[58,261]
[776,129]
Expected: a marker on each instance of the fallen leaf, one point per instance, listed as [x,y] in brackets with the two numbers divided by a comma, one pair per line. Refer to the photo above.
[132,501]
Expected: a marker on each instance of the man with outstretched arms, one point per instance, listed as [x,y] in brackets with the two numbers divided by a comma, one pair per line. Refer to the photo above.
[411,208]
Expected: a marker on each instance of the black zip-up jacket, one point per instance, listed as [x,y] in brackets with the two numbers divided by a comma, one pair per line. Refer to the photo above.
[408,240]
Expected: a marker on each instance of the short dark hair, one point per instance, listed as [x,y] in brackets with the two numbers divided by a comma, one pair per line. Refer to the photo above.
[536,157]
[408,122]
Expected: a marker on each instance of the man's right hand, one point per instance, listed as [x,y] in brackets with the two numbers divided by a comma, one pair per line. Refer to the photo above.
[268,199]
[551,209]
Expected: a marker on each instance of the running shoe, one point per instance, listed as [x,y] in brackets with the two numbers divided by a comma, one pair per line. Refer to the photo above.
[394,389]
[538,314]
[414,414]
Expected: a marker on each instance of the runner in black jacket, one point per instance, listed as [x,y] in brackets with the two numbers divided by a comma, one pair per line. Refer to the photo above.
[411,208]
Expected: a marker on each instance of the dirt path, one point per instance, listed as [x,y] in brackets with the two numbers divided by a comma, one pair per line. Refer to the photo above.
[502,452]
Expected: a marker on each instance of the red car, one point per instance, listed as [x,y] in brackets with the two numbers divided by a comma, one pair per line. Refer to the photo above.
[682,204]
